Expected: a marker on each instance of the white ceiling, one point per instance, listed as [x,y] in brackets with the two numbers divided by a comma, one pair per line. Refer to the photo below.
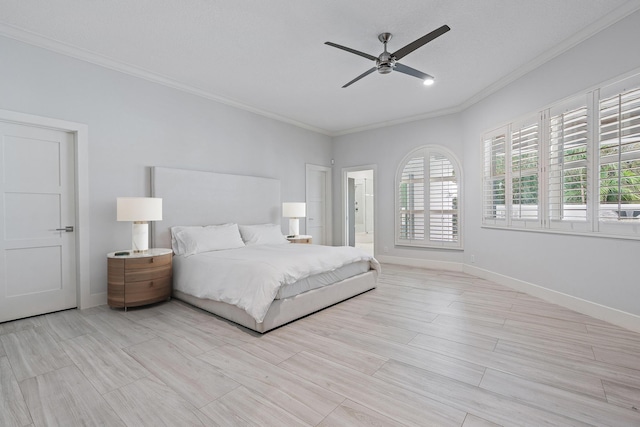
[269,56]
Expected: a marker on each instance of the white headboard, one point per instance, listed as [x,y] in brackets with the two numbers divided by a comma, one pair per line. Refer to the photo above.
[205,198]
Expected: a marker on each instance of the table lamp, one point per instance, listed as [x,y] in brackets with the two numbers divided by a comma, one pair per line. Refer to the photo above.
[294,211]
[139,210]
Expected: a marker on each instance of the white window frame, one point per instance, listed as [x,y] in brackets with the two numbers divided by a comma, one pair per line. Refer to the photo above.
[551,187]
[550,221]
[515,220]
[490,178]
[621,225]
[427,151]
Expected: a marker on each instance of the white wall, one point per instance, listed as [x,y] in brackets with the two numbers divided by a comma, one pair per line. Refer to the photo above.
[602,271]
[134,124]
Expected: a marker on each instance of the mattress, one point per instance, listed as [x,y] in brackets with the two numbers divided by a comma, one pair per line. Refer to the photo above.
[251,277]
[323,279]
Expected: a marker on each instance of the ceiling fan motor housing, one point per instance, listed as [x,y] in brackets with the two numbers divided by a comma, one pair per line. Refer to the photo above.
[385,63]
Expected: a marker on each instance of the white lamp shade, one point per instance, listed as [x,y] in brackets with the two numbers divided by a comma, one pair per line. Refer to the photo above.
[294,210]
[139,208]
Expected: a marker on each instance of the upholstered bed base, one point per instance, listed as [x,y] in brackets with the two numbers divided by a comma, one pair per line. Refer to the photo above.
[286,310]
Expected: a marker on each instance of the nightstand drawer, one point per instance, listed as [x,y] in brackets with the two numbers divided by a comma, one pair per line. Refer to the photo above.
[147,262]
[146,273]
[147,292]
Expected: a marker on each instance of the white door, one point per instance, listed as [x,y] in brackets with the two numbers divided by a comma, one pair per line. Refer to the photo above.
[37,259]
[319,204]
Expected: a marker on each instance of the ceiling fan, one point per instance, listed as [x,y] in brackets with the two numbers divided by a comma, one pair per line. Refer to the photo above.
[388,62]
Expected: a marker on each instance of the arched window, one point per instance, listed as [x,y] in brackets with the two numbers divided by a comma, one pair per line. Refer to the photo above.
[428,199]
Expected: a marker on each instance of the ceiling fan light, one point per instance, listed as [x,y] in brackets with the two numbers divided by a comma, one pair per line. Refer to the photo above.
[428,81]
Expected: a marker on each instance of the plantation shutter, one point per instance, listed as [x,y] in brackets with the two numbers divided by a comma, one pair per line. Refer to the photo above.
[573,167]
[620,157]
[568,164]
[524,171]
[428,202]
[443,199]
[494,187]
[412,201]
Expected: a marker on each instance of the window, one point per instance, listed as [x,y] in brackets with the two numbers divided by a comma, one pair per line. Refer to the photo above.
[511,172]
[524,171]
[574,166]
[568,165]
[619,153]
[495,176]
[428,203]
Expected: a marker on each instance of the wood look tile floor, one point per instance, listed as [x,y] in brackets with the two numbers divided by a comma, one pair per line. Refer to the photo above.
[426,348]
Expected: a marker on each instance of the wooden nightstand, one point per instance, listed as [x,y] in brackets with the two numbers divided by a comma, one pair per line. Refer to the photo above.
[303,238]
[139,278]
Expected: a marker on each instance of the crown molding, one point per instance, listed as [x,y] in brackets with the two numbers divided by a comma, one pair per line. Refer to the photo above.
[587,32]
[106,62]
[388,123]
[35,39]
[606,21]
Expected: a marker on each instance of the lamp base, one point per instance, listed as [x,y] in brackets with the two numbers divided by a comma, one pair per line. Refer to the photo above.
[140,236]
[294,227]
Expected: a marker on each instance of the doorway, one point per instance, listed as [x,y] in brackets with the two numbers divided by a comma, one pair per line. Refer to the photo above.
[44,164]
[359,186]
[38,211]
[318,199]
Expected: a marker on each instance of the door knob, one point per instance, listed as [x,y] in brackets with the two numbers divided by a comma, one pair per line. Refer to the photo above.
[67,229]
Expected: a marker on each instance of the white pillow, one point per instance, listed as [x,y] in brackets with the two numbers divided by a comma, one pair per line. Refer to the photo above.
[262,234]
[176,245]
[194,240]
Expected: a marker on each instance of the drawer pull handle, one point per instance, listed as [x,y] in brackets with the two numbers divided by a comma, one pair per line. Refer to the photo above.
[151,284]
[151,260]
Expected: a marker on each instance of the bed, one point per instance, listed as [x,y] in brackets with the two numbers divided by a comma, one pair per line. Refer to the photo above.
[197,198]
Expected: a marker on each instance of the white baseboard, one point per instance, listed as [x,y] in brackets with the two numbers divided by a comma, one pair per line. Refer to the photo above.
[598,311]
[421,263]
[94,300]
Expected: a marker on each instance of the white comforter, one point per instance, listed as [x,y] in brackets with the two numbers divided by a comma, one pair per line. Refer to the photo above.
[250,277]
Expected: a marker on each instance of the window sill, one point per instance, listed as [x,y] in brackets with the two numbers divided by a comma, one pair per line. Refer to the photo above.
[565,232]
[421,246]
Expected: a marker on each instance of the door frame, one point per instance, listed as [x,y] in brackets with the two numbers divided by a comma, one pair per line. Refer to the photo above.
[84,298]
[344,223]
[328,222]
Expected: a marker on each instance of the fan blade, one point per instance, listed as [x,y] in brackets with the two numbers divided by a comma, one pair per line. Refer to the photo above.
[404,51]
[411,71]
[348,49]
[366,73]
